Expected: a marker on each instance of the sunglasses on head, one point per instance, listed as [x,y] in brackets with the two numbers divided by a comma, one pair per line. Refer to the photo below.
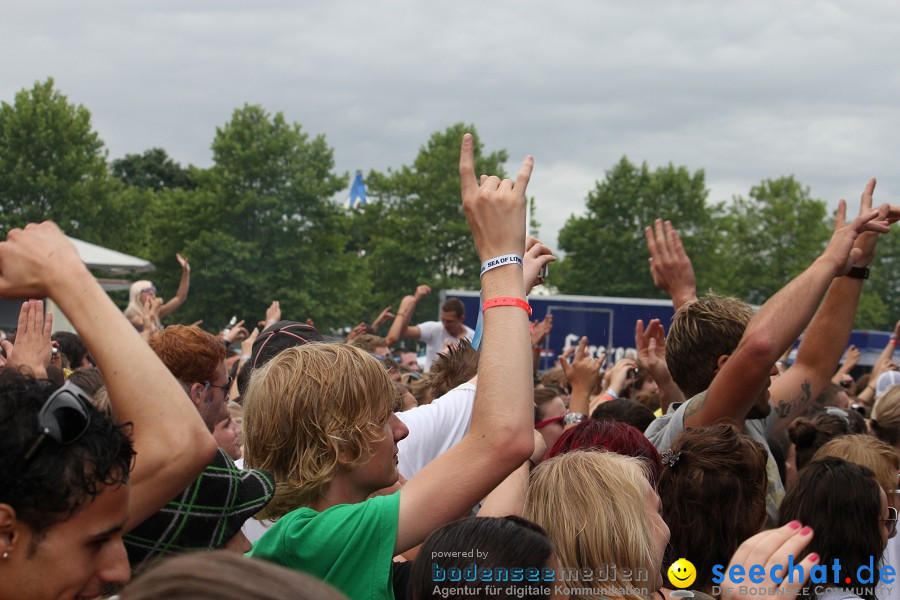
[64,418]
[148,290]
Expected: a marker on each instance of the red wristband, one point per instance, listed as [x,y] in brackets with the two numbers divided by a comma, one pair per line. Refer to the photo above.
[506,301]
[893,341]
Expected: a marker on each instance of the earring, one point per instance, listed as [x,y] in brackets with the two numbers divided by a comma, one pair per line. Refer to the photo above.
[6,555]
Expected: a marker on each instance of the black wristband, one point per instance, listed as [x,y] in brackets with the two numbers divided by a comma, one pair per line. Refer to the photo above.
[858,272]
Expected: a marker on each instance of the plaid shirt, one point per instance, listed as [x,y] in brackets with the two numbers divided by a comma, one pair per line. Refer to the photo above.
[205,516]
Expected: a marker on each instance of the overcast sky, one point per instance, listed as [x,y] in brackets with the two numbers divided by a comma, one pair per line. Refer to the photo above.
[746,91]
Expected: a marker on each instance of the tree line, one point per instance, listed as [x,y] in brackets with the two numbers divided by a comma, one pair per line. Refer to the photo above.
[262,222]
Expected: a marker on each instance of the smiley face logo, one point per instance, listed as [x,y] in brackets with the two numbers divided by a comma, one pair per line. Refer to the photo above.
[682,573]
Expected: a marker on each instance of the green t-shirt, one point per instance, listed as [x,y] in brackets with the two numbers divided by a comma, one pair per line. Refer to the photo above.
[350,546]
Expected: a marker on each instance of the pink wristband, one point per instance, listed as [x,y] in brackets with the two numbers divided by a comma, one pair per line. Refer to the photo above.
[506,301]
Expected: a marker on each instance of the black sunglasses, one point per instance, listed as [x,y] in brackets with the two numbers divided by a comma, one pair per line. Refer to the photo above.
[891,521]
[64,417]
[225,387]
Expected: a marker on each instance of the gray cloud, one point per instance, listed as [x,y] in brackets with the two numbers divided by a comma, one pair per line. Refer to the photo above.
[745,91]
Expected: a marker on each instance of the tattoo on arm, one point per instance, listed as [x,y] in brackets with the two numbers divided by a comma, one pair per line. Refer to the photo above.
[785,409]
[694,407]
[805,391]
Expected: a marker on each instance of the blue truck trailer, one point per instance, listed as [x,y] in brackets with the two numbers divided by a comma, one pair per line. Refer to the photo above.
[607,322]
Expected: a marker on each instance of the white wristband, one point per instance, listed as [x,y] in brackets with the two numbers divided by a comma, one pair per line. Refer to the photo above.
[500,261]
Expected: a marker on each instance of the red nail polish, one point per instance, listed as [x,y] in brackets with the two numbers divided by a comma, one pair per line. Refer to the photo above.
[794,524]
[814,557]
[805,531]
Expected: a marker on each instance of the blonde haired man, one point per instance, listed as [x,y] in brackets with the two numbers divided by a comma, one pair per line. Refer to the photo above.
[327,434]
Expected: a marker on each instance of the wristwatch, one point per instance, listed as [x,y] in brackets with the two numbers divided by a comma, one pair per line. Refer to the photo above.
[574,418]
[858,272]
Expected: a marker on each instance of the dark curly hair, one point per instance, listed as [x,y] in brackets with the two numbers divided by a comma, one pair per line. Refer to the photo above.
[841,501]
[58,480]
[713,494]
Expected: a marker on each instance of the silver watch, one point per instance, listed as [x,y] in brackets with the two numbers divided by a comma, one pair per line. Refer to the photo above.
[574,418]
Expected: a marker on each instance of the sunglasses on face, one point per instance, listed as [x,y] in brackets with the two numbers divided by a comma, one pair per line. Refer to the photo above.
[891,521]
[225,387]
[64,418]
[550,421]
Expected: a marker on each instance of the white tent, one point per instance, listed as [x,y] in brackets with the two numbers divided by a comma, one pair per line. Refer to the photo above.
[110,261]
[105,260]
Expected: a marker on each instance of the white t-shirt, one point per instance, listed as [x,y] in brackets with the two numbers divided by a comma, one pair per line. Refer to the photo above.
[435,336]
[252,528]
[434,428]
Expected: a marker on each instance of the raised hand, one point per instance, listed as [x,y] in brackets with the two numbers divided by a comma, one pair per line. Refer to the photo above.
[183,262]
[670,265]
[842,251]
[867,241]
[34,258]
[651,349]
[422,291]
[620,374]
[238,332]
[247,345]
[541,330]
[582,375]
[537,256]
[495,209]
[354,333]
[383,317]
[150,317]
[851,359]
[32,348]
[584,371]
[273,314]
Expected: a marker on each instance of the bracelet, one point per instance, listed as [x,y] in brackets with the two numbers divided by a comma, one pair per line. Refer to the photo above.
[506,301]
[611,392]
[245,357]
[500,261]
[893,341]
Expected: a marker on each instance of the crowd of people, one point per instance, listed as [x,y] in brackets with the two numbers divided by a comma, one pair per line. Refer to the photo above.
[143,461]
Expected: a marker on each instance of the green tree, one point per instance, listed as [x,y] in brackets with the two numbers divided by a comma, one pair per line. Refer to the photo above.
[772,236]
[606,253]
[880,301]
[261,226]
[53,166]
[414,230]
[152,170]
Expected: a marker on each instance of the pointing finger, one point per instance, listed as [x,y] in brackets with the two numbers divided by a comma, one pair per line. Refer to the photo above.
[467,166]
